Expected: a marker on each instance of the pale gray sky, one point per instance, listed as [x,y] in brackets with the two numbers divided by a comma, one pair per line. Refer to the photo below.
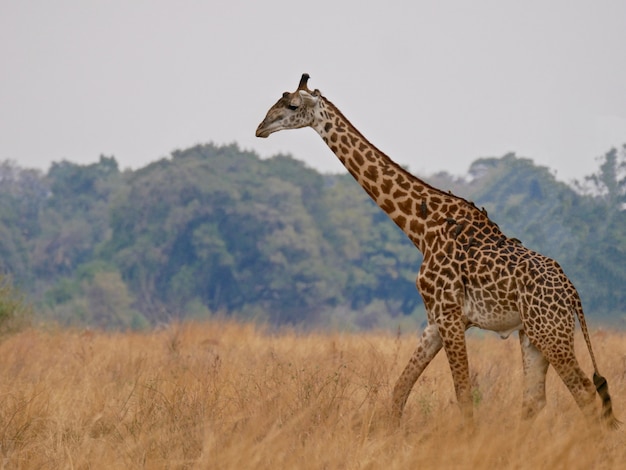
[433,84]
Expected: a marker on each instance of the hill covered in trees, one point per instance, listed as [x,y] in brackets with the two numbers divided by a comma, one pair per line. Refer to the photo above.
[214,229]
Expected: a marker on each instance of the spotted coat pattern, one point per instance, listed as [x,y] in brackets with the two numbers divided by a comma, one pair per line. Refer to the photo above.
[472,274]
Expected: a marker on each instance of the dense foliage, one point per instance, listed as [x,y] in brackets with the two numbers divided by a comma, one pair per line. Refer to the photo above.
[218,230]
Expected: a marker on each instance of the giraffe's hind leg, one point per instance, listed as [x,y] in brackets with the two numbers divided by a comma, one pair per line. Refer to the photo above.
[429,345]
[578,383]
[535,369]
[557,346]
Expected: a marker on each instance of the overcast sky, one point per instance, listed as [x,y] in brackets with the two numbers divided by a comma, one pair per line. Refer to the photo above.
[434,84]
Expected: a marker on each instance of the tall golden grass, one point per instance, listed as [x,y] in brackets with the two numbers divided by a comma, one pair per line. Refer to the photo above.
[228,395]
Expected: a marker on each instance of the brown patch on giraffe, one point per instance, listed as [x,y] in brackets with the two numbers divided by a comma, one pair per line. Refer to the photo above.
[371,173]
[358,158]
[429,237]
[386,186]
[388,206]
[403,182]
[453,208]
[353,165]
[416,227]
[406,206]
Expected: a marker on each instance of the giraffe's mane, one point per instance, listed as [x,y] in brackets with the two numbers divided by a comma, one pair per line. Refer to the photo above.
[410,176]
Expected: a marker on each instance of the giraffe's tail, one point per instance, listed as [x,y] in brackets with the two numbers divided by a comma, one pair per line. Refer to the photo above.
[602,387]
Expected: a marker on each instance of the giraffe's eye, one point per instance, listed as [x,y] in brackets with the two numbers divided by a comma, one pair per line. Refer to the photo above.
[293,107]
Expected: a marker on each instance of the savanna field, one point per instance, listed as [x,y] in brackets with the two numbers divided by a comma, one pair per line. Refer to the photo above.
[233,396]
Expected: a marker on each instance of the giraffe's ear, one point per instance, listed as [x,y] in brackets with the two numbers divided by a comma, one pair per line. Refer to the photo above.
[307,98]
[295,101]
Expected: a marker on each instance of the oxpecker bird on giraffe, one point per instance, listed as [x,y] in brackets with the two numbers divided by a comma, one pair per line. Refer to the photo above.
[471,275]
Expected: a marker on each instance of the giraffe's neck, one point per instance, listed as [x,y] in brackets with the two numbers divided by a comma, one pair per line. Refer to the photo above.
[424,213]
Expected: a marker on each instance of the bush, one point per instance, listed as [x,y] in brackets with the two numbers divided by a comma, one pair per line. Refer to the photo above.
[14,313]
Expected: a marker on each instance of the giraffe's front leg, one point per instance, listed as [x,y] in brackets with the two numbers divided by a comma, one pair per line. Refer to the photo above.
[535,369]
[427,348]
[452,331]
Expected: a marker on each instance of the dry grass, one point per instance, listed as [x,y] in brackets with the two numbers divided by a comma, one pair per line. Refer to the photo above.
[226,395]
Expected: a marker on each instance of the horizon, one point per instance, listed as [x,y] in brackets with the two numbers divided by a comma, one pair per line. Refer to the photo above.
[433,86]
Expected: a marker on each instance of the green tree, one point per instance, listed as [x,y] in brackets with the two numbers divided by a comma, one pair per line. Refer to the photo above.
[609,182]
[217,229]
[22,197]
[75,218]
[221,225]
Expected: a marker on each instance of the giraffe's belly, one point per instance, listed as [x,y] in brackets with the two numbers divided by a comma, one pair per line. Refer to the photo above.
[483,310]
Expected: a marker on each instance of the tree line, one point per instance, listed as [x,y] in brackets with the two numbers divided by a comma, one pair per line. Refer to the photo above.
[218,230]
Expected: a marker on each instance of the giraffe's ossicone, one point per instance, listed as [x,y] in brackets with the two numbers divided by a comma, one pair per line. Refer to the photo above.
[472,274]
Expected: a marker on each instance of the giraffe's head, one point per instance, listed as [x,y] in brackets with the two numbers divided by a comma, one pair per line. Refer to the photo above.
[291,111]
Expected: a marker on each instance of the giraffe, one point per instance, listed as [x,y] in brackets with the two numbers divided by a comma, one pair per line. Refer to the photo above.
[472,275]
